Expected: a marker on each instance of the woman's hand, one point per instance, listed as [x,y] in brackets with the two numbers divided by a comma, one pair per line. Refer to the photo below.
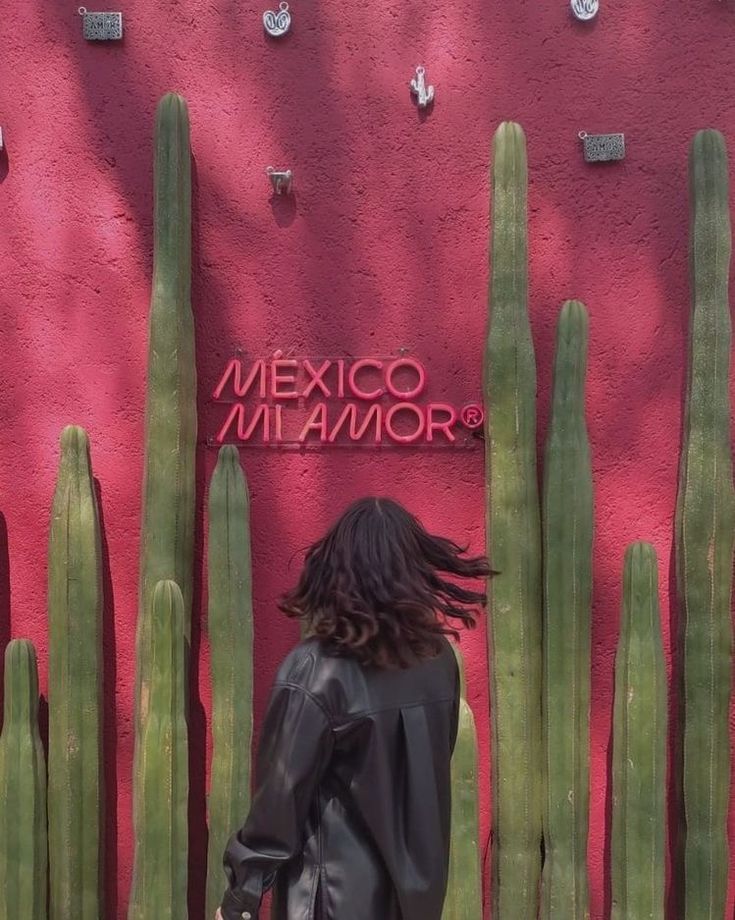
[218,915]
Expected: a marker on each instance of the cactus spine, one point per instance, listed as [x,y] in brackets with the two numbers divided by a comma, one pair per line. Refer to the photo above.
[639,746]
[167,536]
[75,792]
[230,626]
[464,886]
[161,807]
[704,546]
[567,608]
[514,544]
[23,849]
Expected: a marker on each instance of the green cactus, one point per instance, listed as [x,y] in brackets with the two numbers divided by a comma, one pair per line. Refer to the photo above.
[639,746]
[75,791]
[23,846]
[567,529]
[464,886]
[230,626]
[514,544]
[160,811]
[704,544]
[167,535]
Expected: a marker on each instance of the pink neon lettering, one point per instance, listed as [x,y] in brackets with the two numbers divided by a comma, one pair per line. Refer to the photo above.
[341,378]
[415,366]
[444,426]
[317,421]
[352,378]
[278,377]
[244,432]
[374,413]
[317,378]
[404,438]
[234,369]
[279,423]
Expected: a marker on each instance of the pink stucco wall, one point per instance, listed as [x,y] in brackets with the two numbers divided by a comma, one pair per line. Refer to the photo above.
[384,246]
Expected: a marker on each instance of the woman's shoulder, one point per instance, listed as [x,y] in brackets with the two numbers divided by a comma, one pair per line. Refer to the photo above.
[304,665]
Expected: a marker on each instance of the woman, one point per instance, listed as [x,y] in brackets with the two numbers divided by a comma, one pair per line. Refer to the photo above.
[350,819]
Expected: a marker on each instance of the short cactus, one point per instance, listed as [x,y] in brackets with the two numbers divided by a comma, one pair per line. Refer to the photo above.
[230,627]
[704,543]
[464,887]
[639,746]
[160,812]
[567,529]
[75,791]
[23,848]
[514,544]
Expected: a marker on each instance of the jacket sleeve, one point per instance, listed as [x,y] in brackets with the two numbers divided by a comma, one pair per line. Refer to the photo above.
[295,747]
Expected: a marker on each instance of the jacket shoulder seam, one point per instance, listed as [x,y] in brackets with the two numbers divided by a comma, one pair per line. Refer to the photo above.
[291,685]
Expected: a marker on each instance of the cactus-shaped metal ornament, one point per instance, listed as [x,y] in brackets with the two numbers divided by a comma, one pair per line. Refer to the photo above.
[101,27]
[424,94]
[585,9]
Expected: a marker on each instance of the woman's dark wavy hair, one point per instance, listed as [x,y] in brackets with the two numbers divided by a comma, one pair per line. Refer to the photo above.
[373,587]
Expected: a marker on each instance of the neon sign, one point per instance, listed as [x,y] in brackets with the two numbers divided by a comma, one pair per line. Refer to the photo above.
[337,402]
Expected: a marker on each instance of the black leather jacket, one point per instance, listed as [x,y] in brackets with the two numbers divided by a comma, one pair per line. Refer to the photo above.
[350,818]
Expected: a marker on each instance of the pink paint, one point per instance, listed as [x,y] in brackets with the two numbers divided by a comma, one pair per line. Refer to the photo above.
[384,244]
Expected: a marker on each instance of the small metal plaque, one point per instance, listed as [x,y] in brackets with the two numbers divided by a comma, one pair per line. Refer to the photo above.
[602,148]
[102,27]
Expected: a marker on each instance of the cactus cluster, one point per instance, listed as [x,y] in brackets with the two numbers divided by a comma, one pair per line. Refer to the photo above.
[540,652]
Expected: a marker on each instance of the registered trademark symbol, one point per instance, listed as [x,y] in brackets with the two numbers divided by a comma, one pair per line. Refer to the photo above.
[473,416]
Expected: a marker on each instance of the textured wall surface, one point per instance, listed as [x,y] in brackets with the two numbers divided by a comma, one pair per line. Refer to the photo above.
[385,245]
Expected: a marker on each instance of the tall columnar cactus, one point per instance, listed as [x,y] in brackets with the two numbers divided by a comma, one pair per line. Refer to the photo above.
[567,529]
[23,845]
[704,544]
[75,791]
[464,887]
[160,808]
[639,746]
[514,544]
[167,535]
[230,626]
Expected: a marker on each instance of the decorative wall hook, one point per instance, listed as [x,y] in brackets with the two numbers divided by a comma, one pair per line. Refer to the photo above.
[101,27]
[600,148]
[585,9]
[424,94]
[277,24]
[281,180]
